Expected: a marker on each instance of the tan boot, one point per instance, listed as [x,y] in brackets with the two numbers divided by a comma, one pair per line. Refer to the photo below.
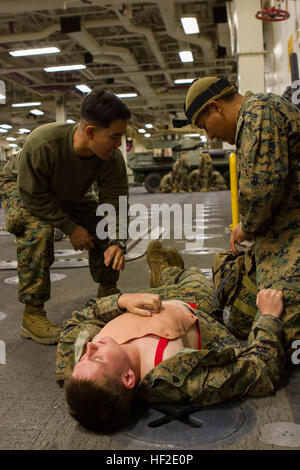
[173,257]
[104,291]
[156,261]
[36,326]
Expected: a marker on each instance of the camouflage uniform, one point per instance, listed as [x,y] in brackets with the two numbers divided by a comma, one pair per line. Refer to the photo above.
[166,184]
[268,149]
[221,370]
[234,278]
[181,174]
[194,180]
[206,169]
[35,243]
[217,182]
[176,176]
[35,233]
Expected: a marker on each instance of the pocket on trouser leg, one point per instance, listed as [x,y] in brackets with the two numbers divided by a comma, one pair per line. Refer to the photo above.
[15,212]
[14,216]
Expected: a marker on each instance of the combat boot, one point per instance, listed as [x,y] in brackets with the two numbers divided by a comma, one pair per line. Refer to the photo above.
[105,290]
[173,257]
[157,261]
[36,326]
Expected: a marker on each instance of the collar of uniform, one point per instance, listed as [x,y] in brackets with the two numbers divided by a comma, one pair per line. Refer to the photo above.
[172,370]
[86,334]
[176,369]
[239,120]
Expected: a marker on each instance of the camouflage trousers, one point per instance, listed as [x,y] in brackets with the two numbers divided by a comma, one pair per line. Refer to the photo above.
[165,188]
[244,311]
[181,181]
[174,278]
[35,243]
[194,180]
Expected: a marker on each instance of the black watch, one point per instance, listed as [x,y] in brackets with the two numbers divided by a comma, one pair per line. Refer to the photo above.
[120,243]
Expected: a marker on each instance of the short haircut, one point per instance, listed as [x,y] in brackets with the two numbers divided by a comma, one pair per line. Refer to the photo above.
[102,107]
[101,407]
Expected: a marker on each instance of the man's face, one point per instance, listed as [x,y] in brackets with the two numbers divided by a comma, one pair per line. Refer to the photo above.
[103,142]
[217,124]
[103,359]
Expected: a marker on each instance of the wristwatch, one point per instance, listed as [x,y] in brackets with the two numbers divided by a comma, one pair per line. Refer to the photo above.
[120,243]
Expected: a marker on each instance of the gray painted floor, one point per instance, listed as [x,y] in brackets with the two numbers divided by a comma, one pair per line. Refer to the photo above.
[33,414]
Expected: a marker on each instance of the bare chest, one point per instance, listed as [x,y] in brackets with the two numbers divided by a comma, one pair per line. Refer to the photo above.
[148,347]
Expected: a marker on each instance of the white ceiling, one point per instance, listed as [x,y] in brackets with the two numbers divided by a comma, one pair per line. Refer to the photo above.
[127,47]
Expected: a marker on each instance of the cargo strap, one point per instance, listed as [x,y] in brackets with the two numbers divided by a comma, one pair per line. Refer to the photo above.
[246,281]
[229,279]
[244,308]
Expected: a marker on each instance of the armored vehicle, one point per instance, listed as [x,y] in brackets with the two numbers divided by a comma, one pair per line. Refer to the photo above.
[149,167]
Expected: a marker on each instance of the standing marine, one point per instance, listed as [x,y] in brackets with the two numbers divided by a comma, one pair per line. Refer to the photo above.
[182,169]
[265,129]
[46,185]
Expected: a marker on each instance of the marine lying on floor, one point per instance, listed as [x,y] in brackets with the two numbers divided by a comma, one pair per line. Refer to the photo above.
[178,353]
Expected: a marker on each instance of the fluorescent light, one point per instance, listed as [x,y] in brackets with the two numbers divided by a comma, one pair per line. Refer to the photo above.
[5,126]
[21,105]
[181,81]
[2,130]
[11,138]
[147,135]
[190,25]
[13,145]
[127,95]
[23,130]
[70,121]
[41,50]
[186,56]
[63,68]
[141,131]
[192,135]
[83,88]
[149,126]
[36,112]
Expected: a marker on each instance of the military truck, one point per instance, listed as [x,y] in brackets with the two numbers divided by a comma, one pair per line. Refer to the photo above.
[149,167]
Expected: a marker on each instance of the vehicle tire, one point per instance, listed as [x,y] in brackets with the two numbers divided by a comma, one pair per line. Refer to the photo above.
[152,182]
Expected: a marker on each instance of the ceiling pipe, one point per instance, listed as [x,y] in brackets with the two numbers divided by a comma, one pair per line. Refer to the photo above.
[32,36]
[166,7]
[17,6]
[128,62]
[169,16]
[125,19]
[56,27]
[201,68]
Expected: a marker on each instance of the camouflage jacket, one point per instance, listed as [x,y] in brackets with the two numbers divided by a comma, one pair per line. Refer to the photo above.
[166,182]
[183,166]
[268,149]
[219,371]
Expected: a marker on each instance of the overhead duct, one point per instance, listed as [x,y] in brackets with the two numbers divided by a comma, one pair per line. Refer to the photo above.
[18,6]
[168,13]
[53,28]
[102,53]
[167,9]
[125,19]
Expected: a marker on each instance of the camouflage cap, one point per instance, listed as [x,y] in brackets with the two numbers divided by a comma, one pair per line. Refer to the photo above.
[202,91]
